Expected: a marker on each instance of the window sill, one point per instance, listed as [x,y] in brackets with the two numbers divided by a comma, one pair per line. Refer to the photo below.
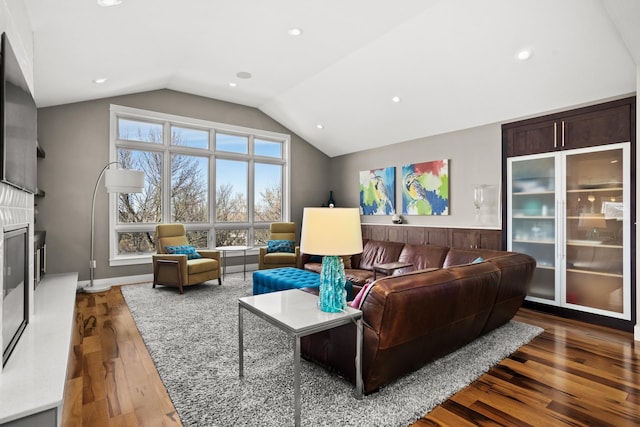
[146,259]
[130,260]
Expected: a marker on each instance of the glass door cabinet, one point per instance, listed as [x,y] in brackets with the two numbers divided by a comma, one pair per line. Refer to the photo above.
[570,211]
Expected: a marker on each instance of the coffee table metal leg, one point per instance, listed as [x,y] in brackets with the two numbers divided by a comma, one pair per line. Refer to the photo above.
[296,374]
[240,343]
[359,385]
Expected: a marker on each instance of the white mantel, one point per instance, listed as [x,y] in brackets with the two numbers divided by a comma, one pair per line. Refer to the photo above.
[33,380]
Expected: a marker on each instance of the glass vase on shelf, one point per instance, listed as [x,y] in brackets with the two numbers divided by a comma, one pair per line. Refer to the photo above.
[478,200]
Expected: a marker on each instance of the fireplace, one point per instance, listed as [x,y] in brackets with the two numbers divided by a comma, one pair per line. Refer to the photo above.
[15,291]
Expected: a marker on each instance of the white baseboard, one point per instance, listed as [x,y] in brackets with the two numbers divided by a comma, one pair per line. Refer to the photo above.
[636,332]
[129,280]
[115,281]
[239,268]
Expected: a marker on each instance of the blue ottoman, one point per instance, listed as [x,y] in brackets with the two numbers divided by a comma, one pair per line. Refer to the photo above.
[280,279]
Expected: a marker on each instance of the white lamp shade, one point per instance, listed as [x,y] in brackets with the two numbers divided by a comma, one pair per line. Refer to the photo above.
[124,181]
[331,231]
[592,220]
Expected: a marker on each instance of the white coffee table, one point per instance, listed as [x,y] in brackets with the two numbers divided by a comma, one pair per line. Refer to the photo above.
[296,312]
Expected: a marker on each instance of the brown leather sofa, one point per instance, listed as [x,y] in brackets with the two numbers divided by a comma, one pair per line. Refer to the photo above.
[359,267]
[413,318]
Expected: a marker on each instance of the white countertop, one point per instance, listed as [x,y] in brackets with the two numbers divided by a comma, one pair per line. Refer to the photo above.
[34,377]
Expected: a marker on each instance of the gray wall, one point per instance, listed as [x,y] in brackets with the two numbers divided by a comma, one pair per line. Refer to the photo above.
[75,138]
[474,159]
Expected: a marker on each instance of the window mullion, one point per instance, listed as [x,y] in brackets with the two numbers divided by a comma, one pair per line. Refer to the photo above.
[166,175]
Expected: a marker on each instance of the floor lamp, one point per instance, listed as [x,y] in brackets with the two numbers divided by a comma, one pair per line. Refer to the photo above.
[331,232]
[116,181]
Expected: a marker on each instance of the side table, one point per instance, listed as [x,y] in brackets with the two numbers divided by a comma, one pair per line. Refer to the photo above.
[225,249]
[389,267]
[296,312]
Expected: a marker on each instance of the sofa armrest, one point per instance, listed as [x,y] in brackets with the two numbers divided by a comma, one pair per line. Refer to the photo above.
[182,260]
[210,253]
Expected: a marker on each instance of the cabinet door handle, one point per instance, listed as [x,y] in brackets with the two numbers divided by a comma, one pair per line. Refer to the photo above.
[563,134]
[555,134]
[558,229]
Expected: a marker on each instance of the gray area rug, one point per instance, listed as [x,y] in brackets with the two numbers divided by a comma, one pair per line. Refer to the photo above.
[193,340]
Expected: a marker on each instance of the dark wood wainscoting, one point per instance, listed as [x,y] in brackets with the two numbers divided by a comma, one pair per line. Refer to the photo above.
[453,237]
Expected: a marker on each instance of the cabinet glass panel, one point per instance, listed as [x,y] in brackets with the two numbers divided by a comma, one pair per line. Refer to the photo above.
[594,229]
[533,226]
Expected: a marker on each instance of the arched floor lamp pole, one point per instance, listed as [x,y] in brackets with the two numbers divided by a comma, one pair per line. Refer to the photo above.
[116,181]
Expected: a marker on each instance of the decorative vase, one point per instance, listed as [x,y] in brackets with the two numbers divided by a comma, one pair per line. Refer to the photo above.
[331,203]
[333,295]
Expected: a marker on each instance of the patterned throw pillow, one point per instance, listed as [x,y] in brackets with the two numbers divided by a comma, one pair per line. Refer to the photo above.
[280,246]
[187,250]
[357,301]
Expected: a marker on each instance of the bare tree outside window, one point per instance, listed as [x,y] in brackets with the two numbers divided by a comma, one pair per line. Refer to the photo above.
[143,145]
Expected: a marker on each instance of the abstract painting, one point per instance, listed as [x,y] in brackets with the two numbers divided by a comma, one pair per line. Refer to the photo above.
[378,191]
[425,188]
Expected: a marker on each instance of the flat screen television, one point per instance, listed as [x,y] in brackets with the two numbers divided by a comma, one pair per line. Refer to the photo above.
[18,120]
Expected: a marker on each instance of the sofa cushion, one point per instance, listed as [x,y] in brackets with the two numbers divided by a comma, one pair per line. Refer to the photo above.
[378,252]
[201,265]
[357,276]
[286,246]
[279,258]
[459,256]
[422,256]
[172,241]
[187,250]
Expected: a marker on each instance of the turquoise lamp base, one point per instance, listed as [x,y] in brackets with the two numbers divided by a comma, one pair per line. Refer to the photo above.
[333,295]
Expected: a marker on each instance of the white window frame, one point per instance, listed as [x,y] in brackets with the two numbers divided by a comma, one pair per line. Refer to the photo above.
[118,111]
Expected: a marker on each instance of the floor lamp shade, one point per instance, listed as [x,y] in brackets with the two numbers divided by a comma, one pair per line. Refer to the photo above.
[331,232]
[124,181]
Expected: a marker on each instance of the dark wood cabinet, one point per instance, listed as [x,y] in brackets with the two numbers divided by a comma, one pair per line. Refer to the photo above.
[561,171]
[592,126]
[533,138]
[606,126]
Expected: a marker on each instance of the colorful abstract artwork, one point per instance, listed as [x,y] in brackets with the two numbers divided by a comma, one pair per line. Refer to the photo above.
[378,191]
[425,188]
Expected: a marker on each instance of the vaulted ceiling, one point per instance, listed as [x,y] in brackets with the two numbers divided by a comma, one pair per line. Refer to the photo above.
[452,63]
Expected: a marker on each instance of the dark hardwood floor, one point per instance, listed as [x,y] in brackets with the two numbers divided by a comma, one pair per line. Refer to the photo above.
[572,374]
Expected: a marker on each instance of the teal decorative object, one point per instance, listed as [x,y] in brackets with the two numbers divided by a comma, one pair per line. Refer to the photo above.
[333,295]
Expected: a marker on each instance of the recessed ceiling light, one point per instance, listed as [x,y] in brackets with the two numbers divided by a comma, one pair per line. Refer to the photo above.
[294,31]
[396,99]
[107,3]
[243,75]
[232,84]
[524,54]
[319,126]
[100,80]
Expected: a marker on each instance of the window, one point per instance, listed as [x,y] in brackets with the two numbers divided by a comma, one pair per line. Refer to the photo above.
[225,183]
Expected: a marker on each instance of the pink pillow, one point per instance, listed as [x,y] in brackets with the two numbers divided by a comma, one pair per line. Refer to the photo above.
[357,301]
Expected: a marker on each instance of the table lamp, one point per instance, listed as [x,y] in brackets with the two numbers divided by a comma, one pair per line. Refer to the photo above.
[331,232]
